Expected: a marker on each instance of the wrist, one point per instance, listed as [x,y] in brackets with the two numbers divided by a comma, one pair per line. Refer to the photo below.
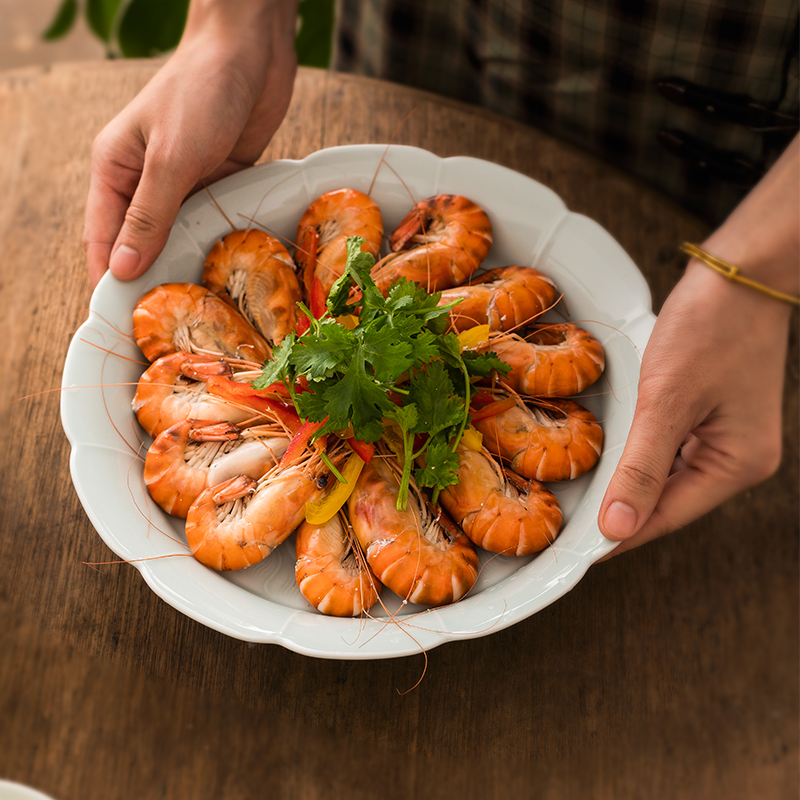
[246,40]
[238,16]
[261,29]
[758,258]
[733,305]
[762,235]
[733,274]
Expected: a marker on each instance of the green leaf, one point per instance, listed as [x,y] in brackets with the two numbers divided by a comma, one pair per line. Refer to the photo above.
[433,393]
[100,14]
[450,349]
[482,364]
[403,325]
[151,27]
[441,467]
[425,348]
[404,293]
[439,325]
[356,399]
[311,406]
[356,273]
[405,416]
[314,42]
[389,355]
[278,368]
[62,22]
[319,355]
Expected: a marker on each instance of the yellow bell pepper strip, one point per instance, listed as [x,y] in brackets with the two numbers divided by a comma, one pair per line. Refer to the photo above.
[473,337]
[471,438]
[318,512]
[348,321]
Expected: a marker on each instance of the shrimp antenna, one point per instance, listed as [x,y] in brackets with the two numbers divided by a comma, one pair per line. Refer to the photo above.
[383,157]
[109,323]
[95,564]
[219,207]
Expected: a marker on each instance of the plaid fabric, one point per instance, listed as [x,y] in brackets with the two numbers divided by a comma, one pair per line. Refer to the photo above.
[586,71]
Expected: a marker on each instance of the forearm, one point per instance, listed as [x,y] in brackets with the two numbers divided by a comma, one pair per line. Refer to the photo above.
[259,33]
[762,235]
[251,18]
[712,373]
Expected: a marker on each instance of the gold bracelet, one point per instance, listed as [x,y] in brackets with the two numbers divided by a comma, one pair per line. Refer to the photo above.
[731,272]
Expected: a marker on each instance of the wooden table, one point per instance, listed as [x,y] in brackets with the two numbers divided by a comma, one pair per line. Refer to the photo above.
[669,672]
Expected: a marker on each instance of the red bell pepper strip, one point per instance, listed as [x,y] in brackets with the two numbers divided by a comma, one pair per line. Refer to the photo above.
[300,441]
[246,395]
[364,449]
[303,324]
[317,299]
[481,399]
[493,409]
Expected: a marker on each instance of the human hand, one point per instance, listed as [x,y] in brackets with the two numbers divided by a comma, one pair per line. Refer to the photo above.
[711,382]
[210,111]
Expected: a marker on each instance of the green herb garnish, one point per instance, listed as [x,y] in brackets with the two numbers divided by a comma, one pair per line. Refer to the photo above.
[354,376]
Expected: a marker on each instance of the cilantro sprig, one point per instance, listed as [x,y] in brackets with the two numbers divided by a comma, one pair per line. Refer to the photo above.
[398,362]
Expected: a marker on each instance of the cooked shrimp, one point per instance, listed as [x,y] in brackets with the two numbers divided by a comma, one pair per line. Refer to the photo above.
[331,571]
[502,298]
[185,316]
[555,360]
[173,389]
[241,521]
[439,244]
[185,459]
[322,235]
[256,273]
[501,513]
[413,552]
[552,440]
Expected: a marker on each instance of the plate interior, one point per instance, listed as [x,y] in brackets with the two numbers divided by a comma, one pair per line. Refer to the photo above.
[605,293]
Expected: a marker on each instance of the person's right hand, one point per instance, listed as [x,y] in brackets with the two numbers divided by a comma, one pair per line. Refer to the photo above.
[210,111]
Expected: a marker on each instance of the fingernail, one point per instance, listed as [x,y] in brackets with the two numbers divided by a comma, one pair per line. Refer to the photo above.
[620,520]
[124,262]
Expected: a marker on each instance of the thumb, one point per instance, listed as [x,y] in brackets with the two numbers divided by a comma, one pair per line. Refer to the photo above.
[150,216]
[642,472]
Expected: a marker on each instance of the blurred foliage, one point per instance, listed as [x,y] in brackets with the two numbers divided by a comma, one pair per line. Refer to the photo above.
[147,28]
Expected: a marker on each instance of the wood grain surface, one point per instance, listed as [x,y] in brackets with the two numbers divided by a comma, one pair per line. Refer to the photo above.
[668,672]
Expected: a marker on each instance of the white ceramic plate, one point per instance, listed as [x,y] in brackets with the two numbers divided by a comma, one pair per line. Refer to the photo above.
[605,292]
[9,790]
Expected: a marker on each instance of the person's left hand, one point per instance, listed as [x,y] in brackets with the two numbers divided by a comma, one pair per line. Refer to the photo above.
[708,416]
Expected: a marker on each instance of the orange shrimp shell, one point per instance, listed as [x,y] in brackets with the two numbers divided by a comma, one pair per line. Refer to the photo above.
[403,558]
[557,440]
[553,360]
[330,574]
[323,231]
[254,272]
[502,298]
[496,516]
[175,481]
[186,316]
[227,537]
[441,242]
